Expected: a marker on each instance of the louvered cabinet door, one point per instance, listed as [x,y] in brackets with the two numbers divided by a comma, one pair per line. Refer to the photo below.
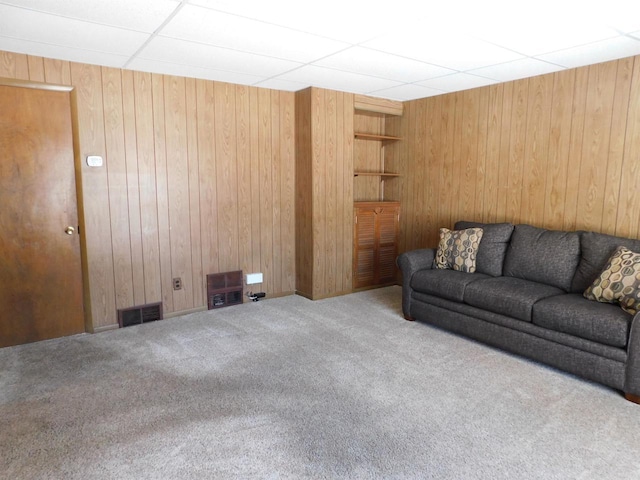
[364,248]
[387,248]
[375,243]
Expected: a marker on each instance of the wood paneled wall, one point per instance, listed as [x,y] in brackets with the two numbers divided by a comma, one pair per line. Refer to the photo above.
[324,198]
[560,151]
[198,178]
[203,177]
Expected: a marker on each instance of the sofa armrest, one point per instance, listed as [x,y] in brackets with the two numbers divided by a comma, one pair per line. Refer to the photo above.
[632,377]
[410,263]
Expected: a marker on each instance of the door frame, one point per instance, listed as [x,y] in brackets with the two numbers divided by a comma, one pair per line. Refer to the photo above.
[77,161]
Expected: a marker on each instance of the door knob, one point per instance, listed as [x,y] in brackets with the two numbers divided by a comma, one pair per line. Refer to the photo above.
[69,230]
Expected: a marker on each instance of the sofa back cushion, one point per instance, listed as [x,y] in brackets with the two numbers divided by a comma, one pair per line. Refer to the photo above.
[596,250]
[493,246]
[545,256]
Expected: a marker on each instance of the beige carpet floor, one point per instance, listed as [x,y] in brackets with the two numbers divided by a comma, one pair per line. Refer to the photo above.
[342,388]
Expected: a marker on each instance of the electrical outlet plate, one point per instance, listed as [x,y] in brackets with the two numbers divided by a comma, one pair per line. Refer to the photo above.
[177,283]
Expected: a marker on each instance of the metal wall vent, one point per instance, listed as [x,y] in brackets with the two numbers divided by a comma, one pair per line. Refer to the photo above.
[224,289]
[140,314]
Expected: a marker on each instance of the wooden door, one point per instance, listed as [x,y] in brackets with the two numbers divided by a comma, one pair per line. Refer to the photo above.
[40,270]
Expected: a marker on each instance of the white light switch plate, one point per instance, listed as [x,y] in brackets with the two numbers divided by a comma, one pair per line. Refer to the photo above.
[94,160]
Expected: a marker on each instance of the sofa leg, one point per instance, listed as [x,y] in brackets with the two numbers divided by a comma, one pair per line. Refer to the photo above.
[407,317]
[632,398]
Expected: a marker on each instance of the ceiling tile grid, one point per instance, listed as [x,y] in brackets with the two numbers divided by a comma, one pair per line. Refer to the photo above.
[246,35]
[50,29]
[143,16]
[405,50]
[182,52]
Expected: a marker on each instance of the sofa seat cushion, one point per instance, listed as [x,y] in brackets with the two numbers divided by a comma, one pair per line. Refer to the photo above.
[513,297]
[613,353]
[448,284]
[575,315]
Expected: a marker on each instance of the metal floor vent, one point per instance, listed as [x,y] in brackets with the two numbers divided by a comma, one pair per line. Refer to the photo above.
[140,314]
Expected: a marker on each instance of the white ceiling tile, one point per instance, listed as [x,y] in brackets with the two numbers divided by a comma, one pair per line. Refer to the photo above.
[238,33]
[337,80]
[623,15]
[606,50]
[529,41]
[457,52]
[278,84]
[351,21]
[409,91]
[141,15]
[175,51]
[62,53]
[259,9]
[535,32]
[542,19]
[457,81]
[154,66]
[526,67]
[45,28]
[383,65]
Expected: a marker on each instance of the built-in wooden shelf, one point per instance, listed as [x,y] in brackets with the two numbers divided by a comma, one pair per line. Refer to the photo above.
[374,136]
[375,174]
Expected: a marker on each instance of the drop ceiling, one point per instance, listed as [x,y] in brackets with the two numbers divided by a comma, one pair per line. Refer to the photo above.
[402,49]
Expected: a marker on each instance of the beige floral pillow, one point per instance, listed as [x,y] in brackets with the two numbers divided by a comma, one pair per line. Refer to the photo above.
[619,282]
[458,249]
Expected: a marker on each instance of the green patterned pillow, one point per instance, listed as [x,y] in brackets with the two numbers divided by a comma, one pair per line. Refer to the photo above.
[457,249]
[619,282]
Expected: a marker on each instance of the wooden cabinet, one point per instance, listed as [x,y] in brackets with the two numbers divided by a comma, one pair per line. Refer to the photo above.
[376,213]
[376,235]
[326,138]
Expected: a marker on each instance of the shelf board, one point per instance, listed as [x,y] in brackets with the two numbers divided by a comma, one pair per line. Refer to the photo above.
[374,136]
[375,174]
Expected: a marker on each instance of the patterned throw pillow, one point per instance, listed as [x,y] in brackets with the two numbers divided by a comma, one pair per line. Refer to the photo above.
[619,282]
[457,249]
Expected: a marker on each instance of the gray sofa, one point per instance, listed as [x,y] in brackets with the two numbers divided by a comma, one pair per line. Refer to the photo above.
[526,297]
